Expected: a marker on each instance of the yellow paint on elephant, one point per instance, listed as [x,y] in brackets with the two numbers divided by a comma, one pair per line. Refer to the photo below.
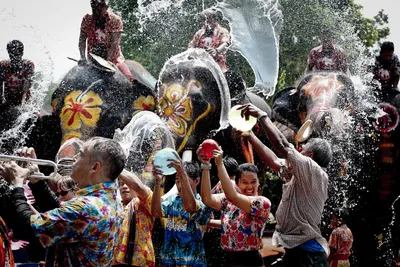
[144,103]
[193,126]
[80,109]
[176,108]
[70,135]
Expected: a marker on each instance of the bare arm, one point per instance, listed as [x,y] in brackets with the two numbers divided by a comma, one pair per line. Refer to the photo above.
[188,199]
[214,224]
[396,82]
[207,197]
[267,155]
[156,200]
[239,200]
[277,139]
[114,43]
[134,183]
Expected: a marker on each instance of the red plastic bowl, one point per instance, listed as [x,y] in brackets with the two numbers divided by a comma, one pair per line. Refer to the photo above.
[208,146]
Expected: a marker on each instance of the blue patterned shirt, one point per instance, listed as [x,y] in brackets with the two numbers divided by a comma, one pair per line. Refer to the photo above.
[84,230]
[183,239]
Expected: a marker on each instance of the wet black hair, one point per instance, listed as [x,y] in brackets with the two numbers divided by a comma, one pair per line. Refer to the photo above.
[245,167]
[192,169]
[98,3]
[215,13]
[15,46]
[322,151]
[341,213]
[387,46]
[231,166]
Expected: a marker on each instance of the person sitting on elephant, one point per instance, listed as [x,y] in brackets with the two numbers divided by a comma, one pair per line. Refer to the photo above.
[327,56]
[212,37]
[16,75]
[305,191]
[103,30]
[387,67]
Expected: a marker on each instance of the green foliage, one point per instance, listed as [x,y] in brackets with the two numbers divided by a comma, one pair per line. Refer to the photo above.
[168,33]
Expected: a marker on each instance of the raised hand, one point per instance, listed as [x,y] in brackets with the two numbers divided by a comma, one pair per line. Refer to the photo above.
[176,163]
[218,155]
[201,156]
[157,173]
[29,152]
[15,174]
[250,110]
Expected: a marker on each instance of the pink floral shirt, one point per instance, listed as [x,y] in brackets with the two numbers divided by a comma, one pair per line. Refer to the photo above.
[219,36]
[241,231]
[99,40]
[341,240]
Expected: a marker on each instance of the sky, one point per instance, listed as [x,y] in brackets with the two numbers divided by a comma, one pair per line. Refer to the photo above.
[49,29]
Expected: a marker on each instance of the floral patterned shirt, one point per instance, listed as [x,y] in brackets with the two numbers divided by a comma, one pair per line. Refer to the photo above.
[334,61]
[242,231]
[183,239]
[341,240]
[83,231]
[218,36]
[143,249]
[99,40]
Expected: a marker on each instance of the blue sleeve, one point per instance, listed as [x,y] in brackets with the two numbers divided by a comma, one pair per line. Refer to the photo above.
[203,214]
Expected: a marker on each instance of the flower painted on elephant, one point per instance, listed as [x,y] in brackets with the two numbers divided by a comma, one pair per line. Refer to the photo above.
[80,109]
[176,108]
[323,87]
[144,103]
[69,135]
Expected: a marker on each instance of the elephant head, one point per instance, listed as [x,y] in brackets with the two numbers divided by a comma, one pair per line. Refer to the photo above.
[321,97]
[94,101]
[193,96]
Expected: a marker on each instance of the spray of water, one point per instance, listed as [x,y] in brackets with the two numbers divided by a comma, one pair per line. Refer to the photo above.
[26,114]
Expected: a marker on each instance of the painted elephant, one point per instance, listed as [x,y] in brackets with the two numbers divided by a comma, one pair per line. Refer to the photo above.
[195,98]
[363,175]
[91,100]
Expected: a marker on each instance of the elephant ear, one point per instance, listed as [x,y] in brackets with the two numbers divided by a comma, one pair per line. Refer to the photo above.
[285,108]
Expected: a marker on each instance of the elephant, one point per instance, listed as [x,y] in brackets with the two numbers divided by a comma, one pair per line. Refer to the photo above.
[366,154]
[91,100]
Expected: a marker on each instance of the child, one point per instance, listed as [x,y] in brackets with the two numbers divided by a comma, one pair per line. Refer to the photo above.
[187,217]
[340,241]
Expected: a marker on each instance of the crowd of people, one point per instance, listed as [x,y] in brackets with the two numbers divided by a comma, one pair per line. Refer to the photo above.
[104,215]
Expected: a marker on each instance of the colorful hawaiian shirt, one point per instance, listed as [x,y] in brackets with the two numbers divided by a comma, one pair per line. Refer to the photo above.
[14,78]
[335,60]
[241,231]
[183,238]
[386,71]
[341,240]
[99,40]
[143,249]
[84,231]
[217,36]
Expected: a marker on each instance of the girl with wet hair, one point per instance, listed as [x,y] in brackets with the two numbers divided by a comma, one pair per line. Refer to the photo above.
[244,213]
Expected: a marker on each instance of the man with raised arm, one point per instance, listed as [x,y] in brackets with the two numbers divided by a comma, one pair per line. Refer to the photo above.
[305,191]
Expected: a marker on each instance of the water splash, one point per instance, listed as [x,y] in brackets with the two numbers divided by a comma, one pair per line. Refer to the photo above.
[255,29]
[199,58]
[144,135]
